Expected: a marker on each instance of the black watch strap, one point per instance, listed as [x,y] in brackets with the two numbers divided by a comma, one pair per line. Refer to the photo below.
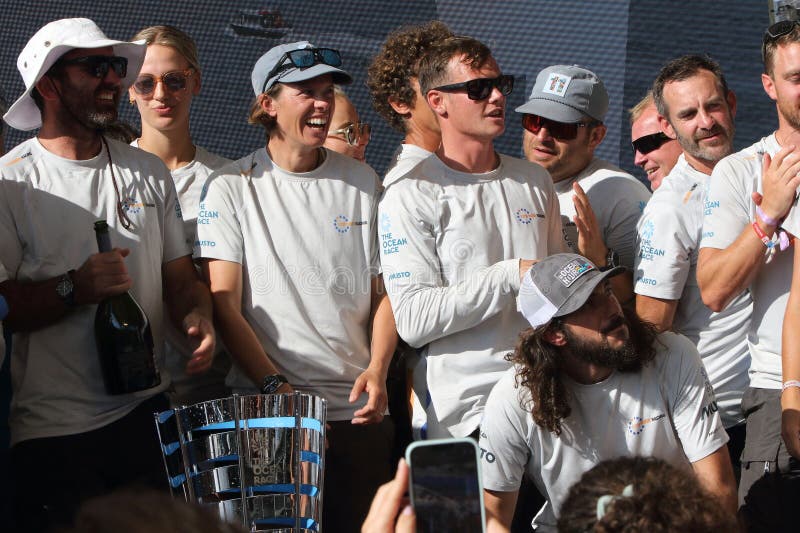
[272,383]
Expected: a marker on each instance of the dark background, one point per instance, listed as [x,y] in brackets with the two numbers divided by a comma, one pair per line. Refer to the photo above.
[624,42]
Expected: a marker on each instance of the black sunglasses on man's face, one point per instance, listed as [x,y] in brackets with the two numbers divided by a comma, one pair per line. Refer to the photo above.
[481,88]
[647,143]
[98,66]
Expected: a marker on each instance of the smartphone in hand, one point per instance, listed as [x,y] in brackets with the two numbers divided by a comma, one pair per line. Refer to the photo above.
[445,489]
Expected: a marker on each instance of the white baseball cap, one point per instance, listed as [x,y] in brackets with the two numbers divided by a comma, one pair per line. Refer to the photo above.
[51,42]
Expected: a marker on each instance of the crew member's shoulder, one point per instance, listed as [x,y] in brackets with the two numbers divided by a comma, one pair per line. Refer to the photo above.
[125,155]
[350,170]
[677,188]
[426,175]
[210,159]
[515,166]
[17,161]
[748,160]
[675,351]
[601,171]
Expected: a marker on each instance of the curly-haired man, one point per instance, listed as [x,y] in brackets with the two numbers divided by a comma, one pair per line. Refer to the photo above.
[591,382]
[393,80]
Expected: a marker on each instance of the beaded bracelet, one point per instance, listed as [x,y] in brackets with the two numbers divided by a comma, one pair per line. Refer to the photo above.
[766,219]
[791,383]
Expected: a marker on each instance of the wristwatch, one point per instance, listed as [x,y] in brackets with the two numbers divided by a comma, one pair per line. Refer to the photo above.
[272,383]
[612,259]
[66,289]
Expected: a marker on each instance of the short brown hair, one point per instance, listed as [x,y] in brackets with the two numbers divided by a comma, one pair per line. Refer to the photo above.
[770,45]
[664,498]
[683,68]
[258,115]
[389,75]
[433,68]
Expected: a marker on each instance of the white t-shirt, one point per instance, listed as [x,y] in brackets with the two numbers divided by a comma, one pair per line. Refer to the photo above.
[404,159]
[308,249]
[729,210]
[48,206]
[189,181]
[617,199]
[661,411]
[450,249]
[666,267]
[792,221]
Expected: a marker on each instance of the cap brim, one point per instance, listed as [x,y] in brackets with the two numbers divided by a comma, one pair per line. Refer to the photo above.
[551,109]
[23,113]
[302,74]
[579,297]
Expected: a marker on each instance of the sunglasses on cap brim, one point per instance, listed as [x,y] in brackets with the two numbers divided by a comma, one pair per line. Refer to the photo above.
[562,131]
[174,81]
[304,58]
[98,66]
[481,88]
[776,31]
[353,133]
[647,143]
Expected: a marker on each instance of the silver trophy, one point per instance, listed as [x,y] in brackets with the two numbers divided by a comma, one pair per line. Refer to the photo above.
[259,460]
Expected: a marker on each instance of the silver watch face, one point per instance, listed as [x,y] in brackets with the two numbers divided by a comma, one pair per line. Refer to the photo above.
[64,287]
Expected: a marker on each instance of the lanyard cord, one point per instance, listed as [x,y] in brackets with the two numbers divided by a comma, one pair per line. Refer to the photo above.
[121,215]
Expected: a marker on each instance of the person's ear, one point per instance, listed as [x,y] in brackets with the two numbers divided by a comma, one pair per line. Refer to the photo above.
[555,336]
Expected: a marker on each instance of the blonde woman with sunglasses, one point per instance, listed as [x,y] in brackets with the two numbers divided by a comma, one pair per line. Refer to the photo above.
[162,92]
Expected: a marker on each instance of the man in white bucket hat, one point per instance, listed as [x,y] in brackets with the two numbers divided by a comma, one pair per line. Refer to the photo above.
[53,187]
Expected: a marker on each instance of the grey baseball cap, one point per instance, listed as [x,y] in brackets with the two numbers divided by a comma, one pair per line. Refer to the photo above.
[264,77]
[565,94]
[559,285]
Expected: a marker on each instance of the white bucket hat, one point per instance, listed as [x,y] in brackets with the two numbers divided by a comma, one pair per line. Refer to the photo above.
[50,43]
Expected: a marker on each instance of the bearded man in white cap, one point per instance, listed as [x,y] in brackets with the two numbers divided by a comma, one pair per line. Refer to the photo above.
[590,382]
[563,122]
[70,438]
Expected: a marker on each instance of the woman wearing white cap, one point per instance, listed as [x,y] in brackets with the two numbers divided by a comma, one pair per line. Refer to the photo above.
[288,234]
[162,92]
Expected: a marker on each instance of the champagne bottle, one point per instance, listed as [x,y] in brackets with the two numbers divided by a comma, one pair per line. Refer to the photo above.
[123,336]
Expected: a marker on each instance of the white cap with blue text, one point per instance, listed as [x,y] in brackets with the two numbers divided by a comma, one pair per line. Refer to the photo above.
[559,285]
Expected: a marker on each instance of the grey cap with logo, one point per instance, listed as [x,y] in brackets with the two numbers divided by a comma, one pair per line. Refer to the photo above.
[559,285]
[567,93]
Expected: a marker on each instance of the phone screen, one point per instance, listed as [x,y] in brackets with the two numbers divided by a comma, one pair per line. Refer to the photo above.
[445,489]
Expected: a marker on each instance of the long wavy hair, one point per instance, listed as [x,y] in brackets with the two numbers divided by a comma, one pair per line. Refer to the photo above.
[539,367]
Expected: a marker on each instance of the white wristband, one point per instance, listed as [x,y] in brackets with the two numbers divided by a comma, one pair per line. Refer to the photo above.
[791,383]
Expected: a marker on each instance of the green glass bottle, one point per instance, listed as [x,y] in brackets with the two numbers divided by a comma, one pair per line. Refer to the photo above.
[123,336]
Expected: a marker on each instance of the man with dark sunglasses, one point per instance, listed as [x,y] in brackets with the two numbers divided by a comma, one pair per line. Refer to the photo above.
[696,107]
[67,433]
[744,247]
[653,151]
[457,232]
[600,203]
